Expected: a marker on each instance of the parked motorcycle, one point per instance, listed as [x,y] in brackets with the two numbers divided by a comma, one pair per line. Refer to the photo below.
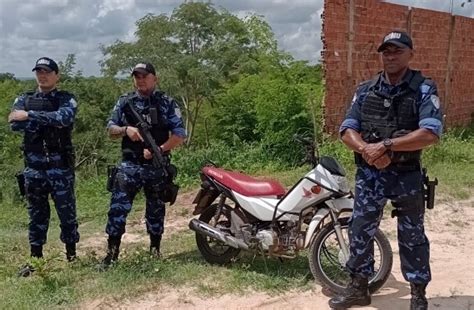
[263,217]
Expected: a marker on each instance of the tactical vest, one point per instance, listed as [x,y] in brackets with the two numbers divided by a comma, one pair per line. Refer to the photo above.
[48,139]
[160,127]
[384,116]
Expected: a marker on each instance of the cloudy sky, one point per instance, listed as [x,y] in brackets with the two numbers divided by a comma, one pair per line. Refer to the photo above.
[30,29]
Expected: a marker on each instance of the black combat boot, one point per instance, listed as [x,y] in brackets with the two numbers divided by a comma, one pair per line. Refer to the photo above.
[418,297]
[155,242]
[356,294]
[27,270]
[70,252]
[113,250]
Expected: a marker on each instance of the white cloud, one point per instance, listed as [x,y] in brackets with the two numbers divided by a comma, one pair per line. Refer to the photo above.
[112,5]
[30,29]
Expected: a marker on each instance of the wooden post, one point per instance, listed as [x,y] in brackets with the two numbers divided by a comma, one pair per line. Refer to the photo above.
[447,79]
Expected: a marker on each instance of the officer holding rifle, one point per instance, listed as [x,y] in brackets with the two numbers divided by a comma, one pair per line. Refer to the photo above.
[150,126]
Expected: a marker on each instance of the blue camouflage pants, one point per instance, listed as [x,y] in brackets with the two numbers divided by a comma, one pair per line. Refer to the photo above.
[130,178]
[404,189]
[61,189]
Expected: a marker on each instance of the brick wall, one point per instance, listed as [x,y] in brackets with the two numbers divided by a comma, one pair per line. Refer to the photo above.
[444,51]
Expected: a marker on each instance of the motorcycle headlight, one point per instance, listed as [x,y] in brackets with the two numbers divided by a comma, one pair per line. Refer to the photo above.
[342,183]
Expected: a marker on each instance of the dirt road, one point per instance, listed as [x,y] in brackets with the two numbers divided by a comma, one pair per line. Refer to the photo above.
[450,228]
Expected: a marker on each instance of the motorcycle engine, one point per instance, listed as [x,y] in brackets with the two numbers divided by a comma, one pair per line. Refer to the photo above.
[265,238]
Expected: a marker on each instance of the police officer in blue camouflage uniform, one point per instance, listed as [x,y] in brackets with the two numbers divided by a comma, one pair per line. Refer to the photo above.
[46,117]
[392,118]
[136,169]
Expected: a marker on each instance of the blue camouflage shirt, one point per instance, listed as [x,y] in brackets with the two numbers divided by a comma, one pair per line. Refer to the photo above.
[63,117]
[429,106]
[169,109]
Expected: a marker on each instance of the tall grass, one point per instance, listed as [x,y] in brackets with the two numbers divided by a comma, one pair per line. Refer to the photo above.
[60,285]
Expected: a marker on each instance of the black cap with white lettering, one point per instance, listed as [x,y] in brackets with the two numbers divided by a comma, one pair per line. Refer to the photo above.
[144,67]
[397,38]
[47,64]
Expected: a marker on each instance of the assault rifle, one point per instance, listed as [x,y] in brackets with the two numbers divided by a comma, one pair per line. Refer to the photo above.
[170,191]
[144,128]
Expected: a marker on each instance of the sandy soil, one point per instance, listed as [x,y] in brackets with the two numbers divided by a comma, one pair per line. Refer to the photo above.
[450,228]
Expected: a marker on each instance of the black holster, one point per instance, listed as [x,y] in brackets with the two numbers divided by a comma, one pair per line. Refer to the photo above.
[111,175]
[70,159]
[20,178]
[170,192]
[429,187]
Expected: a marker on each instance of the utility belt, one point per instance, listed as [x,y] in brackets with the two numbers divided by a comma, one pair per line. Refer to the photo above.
[66,161]
[428,196]
[408,164]
[170,190]
[61,164]
[140,160]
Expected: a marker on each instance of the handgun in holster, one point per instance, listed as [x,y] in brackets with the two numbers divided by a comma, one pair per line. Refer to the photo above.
[20,178]
[111,175]
[429,187]
[171,189]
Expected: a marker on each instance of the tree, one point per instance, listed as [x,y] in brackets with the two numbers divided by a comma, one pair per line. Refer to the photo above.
[4,76]
[197,50]
[66,68]
[269,108]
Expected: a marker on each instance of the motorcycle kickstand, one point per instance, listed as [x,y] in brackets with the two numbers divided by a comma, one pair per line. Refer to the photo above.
[264,258]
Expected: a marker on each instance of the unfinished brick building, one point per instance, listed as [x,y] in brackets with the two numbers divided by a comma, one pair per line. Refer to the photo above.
[444,51]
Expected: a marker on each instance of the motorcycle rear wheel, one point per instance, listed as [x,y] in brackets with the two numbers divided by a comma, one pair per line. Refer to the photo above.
[214,251]
[328,268]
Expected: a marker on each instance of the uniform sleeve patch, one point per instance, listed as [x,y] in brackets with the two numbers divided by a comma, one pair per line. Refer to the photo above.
[354,99]
[73,102]
[436,102]
[177,111]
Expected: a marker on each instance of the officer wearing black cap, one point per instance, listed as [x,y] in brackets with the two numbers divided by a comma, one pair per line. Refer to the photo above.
[46,117]
[136,170]
[392,118]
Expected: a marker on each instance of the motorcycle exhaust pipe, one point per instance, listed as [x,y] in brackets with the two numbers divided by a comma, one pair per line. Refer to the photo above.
[215,233]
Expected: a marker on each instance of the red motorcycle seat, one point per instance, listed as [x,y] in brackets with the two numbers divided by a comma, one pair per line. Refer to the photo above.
[245,184]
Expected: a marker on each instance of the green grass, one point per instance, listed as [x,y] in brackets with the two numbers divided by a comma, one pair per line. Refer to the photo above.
[58,284]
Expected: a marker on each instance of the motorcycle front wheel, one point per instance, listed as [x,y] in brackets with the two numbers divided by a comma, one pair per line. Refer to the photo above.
[328,266]
[214,251]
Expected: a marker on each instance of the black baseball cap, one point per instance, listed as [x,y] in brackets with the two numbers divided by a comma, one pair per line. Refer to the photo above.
[398,38]
[144,67]
[46,63]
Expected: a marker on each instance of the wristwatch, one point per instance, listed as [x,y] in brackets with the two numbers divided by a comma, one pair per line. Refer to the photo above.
[387,142]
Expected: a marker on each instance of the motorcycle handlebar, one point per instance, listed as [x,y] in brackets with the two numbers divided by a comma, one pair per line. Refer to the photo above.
[310,149]
[306,141]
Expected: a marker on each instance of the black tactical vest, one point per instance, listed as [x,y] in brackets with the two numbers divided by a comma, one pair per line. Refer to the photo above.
[384,116]
[160,127]
[47,139]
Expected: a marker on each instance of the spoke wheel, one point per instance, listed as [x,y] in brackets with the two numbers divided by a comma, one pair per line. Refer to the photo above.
[214,251]
[327,262]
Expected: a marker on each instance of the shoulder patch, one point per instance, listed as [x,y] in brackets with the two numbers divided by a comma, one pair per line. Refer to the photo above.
[436,102]
[177,111]
[425,88]
[73,102]
[354,99]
